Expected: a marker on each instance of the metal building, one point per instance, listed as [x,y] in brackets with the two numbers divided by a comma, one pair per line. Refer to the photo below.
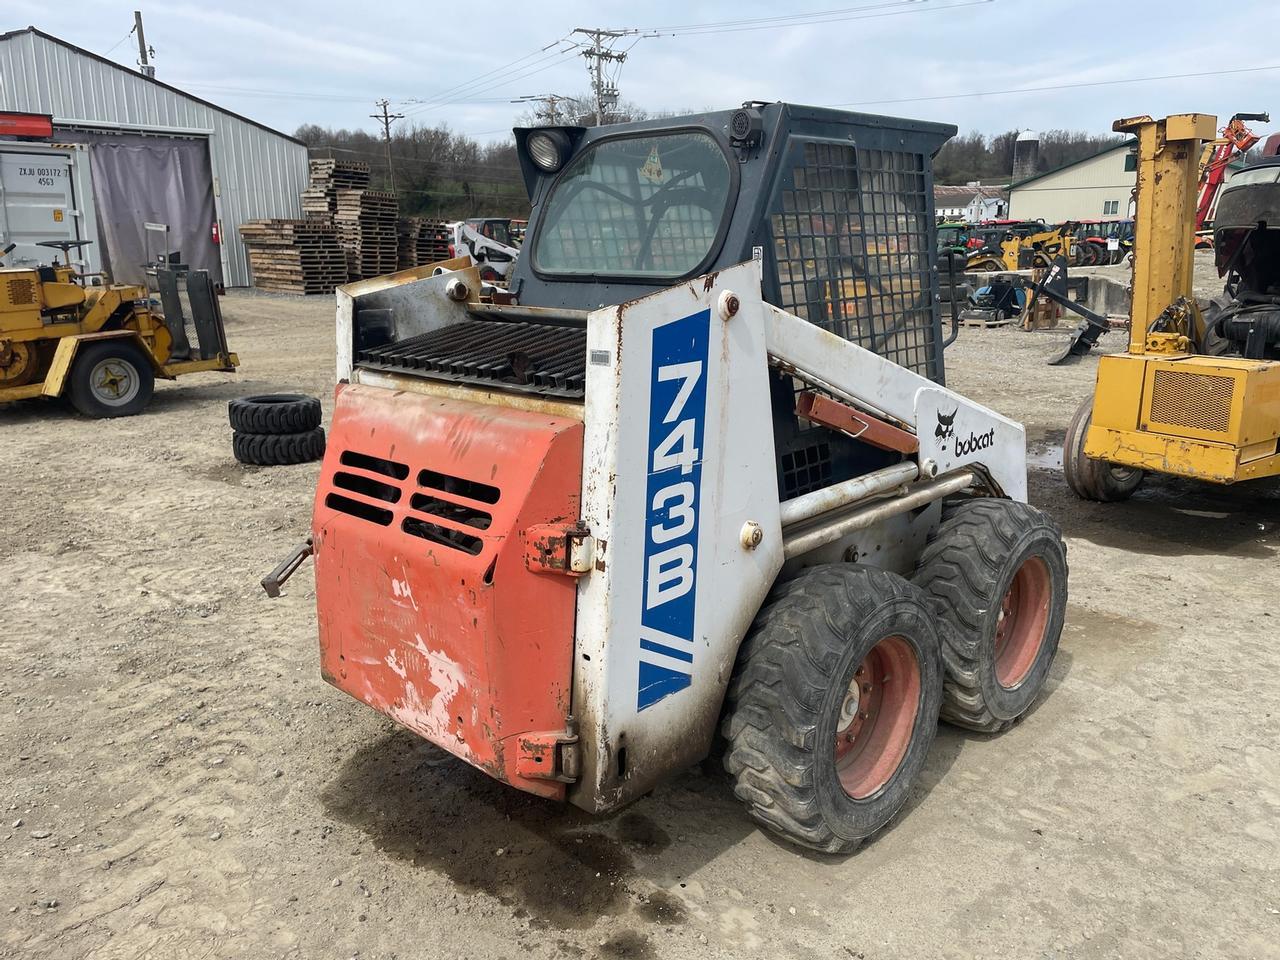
[1098,187]
[194,160]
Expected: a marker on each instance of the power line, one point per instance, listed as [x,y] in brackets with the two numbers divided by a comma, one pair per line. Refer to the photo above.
[803,20]
[120,41]
[549,112]
[788,16]
[537,66]
[1056,86]
[449,91]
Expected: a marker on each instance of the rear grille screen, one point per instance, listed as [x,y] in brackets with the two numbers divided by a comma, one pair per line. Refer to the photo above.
[22,292]
[1198,401]
[851,238]
[539,358]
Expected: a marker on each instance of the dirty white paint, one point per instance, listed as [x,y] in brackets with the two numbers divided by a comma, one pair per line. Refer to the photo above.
[431,714]
[953,430]
[401,591]
[733,468]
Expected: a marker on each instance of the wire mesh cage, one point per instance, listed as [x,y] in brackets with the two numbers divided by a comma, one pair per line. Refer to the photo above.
[851,237]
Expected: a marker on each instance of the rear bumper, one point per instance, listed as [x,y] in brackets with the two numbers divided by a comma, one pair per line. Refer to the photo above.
[1183,457]
[428,611]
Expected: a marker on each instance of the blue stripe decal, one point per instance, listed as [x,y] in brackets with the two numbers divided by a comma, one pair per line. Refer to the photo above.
[677,411]
[685,655]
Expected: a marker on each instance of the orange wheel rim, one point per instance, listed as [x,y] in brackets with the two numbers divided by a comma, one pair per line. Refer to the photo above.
[876,717]
[1022,623]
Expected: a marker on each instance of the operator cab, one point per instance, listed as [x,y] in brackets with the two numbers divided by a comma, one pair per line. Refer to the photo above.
[838,207]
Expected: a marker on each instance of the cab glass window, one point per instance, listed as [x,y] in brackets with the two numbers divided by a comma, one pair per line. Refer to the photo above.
[647,206]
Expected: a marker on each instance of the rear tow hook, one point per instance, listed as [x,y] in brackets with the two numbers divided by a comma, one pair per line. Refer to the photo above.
[274,580]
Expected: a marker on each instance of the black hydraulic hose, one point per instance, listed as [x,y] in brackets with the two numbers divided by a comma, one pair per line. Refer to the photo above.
[955,309]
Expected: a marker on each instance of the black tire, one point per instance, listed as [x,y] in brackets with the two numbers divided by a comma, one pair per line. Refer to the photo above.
[274,413]
[792,680]
[1213,344]
[997,573]
[278,449]
[110,378]
[1093,479]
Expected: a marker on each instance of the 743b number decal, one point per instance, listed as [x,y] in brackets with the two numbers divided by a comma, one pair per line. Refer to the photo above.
[677,411]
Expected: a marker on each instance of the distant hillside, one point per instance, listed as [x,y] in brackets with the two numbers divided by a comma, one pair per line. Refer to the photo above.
[438,173]
[975,156]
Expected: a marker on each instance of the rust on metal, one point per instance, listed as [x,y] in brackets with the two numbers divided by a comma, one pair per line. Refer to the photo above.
[827,412]
[557,548]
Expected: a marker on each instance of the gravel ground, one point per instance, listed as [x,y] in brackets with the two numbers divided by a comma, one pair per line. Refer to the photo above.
[178,782]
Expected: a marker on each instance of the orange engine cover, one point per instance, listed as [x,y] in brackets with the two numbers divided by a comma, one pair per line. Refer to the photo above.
[420,517]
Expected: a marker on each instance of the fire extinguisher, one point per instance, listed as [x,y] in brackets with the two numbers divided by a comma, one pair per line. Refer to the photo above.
[217,234]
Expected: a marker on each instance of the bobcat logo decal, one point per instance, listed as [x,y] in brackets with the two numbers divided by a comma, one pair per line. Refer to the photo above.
[946,428]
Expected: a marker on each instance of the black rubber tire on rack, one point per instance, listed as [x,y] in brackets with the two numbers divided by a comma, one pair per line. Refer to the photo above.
[274,413]
[996,571]
[815,635]
[278,449]
[1093,479]
[110,378]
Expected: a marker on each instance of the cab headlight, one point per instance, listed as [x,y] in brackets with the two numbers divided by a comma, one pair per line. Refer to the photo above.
[548,149]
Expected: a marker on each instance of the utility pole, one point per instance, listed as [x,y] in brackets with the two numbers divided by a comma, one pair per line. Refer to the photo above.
[143,50]
[549,112]
[386,119]
[606,94]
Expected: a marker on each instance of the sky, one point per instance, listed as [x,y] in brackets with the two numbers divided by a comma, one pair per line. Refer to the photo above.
[286,63]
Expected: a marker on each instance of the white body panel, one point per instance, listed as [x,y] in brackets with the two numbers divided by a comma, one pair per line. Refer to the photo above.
[662,614]
[953,431]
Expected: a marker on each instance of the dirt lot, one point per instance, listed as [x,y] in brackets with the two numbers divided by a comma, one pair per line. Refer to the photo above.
[178,782]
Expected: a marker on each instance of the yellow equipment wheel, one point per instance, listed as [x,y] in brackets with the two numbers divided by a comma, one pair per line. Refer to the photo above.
[19,361]
[1093,479]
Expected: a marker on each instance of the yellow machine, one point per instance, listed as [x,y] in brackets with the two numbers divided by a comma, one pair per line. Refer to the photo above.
[1191,397]
[1033,250]
[99,345]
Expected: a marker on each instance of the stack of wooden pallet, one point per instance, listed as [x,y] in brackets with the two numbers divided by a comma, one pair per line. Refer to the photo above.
[366,222]
[320,199]
[294,256]
[421,241]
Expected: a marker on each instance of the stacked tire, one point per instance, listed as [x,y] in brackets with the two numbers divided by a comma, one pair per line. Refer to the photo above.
[276,429]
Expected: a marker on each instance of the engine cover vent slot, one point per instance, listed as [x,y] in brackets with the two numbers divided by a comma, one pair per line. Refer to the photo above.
[471,489]
[358,508]
[367,486]
[445,536]
[447,509]
[362,461]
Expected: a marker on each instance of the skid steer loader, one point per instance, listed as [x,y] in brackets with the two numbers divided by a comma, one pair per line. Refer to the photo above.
[696,473]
